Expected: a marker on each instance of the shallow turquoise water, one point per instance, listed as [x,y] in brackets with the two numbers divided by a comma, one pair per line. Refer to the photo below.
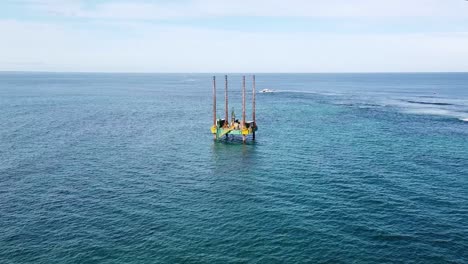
[122,168]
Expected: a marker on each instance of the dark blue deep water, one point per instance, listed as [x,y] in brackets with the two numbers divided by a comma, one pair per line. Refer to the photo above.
[122,168]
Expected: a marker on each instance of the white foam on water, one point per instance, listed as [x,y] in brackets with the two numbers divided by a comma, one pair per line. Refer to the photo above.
[446,107]
[430,111]
[438,112]
[456,108]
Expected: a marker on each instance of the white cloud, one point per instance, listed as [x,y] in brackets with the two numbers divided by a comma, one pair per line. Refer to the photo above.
[152,48]
[114,39]
[218,8]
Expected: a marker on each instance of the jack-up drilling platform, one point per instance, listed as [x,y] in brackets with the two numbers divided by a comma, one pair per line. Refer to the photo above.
[224,127]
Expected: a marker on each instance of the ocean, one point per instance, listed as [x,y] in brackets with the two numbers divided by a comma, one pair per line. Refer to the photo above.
[122,168]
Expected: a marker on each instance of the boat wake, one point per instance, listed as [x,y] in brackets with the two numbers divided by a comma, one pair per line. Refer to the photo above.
[267,91]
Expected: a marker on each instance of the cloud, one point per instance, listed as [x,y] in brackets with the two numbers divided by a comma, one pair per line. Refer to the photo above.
[156,48]
[147,10]
[127,36]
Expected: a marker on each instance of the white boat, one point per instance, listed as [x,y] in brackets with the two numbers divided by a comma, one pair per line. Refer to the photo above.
[266,91]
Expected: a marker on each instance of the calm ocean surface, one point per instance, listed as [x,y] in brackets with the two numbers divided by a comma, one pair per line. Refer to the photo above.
[122,168]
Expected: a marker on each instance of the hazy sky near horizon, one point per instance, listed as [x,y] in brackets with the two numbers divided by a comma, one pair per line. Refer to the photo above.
[234,36]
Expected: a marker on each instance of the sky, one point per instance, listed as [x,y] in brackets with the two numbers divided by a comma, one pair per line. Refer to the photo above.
[250,36]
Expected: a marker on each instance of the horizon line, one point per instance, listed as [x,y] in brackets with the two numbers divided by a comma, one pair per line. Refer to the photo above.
[150,72]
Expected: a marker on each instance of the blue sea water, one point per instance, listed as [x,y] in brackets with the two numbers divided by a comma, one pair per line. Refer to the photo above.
[122,168]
